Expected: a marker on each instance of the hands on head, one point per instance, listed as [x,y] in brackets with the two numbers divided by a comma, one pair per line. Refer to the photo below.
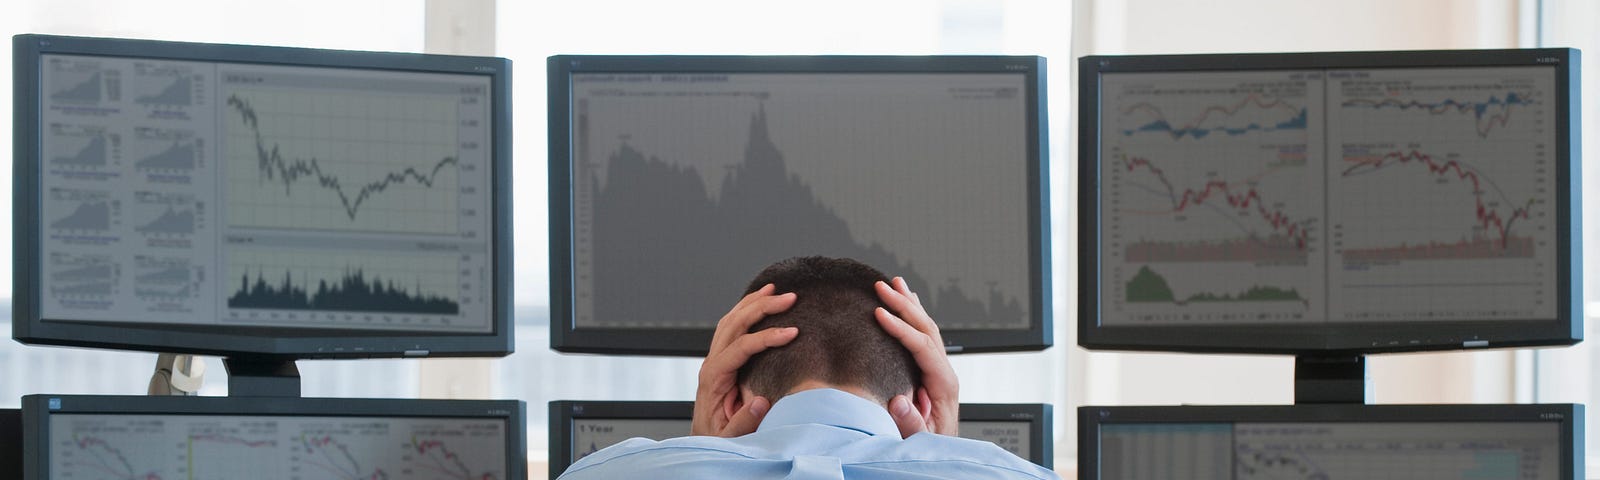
[719,410]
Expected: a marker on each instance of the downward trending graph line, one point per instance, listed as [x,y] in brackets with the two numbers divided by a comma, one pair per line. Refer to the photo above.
[444,461]
[1487,217]
[273,166]
[1279,221]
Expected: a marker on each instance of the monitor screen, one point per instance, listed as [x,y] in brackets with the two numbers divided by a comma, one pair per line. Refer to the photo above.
[231,199]
[211,437]
[1358,202]
[674,180]
[579,428]
[1332,442]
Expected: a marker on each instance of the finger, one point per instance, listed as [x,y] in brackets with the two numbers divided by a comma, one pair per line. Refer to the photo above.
[906,417]
[905,289]
[723,332]
[911,338]
[751,309]
[748,418]
[905,307]
[728,361]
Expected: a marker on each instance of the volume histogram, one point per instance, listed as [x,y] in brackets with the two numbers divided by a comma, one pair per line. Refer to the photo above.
[344,281]
[350,289]
[346,162]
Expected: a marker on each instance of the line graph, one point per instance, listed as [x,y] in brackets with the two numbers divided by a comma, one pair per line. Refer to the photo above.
[1215,119]
[1508,450]
[436,459]
[349,162]
[232,451]
[1242,196]
[83,146]
[1495,213]
[82,82]
[1487,114]
[96,457]
[793,163]
[332,457]
[92,210]
[1464,106]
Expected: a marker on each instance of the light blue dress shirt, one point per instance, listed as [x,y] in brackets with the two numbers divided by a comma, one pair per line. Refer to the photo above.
[814,434]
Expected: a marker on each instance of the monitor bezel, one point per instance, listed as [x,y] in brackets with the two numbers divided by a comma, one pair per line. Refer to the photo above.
[1041,448]
[564,412]
[1343,337]
[1570,418]
[11,442]
[565,335]
[37,410]
[228,340]
[1041,437]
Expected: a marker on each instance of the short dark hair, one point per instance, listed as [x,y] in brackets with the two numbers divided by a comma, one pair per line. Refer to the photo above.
[840,341]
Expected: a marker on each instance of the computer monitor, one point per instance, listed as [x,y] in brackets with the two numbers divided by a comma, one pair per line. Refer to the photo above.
[581,427]
[1354,202]
[260,201]
[675,179]
[84,436]
[1527,442]
[10,443]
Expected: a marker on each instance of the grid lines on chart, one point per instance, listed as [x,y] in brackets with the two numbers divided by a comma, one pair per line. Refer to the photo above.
[342,162]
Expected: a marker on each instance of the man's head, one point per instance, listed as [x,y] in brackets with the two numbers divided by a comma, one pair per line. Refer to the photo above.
[840,342]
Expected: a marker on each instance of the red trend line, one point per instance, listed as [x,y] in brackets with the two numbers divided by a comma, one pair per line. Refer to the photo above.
[1486,217]
[461,470]
[1229,110]
[1276,218]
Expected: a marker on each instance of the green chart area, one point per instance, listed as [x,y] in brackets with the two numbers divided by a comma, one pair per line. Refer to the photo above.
[1147,286]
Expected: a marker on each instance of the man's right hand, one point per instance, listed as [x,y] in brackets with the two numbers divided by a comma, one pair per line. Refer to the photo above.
[936,407]
[731,346]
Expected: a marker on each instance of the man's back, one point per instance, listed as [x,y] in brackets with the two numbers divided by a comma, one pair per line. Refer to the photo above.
[813,434]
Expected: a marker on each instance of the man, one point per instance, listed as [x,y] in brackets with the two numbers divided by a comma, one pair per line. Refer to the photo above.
[862,387]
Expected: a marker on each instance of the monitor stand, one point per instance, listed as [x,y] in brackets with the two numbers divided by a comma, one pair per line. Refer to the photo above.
[1330,379]
[262,377]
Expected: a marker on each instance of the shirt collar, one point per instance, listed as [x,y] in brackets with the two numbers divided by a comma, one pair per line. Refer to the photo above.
[832,407]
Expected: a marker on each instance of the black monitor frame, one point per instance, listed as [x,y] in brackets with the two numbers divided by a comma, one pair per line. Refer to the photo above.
[268,343]
[37,409]
[565,336]
[1570,417]
[563,412]
[1344,338]
[11,442]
